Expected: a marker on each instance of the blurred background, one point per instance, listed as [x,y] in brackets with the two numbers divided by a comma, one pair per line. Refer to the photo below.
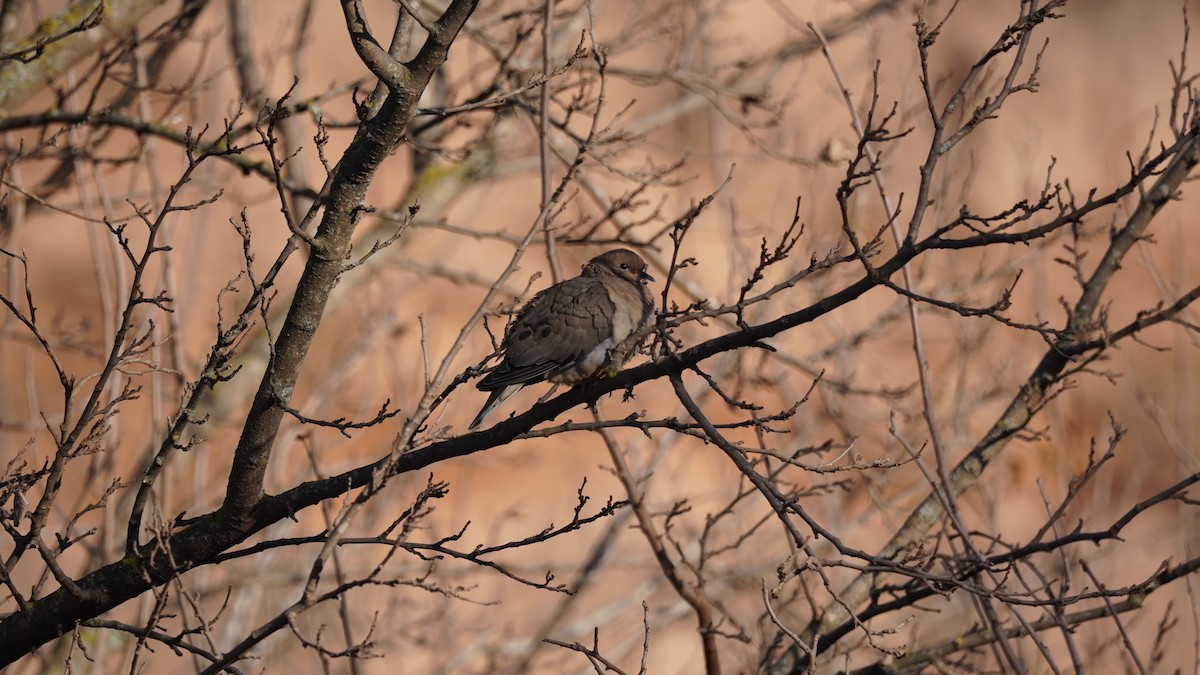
[694,92]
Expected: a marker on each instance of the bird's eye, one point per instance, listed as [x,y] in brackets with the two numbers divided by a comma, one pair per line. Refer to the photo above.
[624,266]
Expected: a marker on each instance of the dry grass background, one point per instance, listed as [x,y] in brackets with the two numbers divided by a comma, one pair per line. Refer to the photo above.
[1104,78]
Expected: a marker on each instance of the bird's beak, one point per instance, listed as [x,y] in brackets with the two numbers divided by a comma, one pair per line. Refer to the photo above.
[644,277]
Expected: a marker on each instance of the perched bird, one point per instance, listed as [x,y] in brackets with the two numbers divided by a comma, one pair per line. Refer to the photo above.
[574,330]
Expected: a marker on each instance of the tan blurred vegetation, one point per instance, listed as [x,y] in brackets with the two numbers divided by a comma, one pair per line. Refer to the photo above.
[693,93]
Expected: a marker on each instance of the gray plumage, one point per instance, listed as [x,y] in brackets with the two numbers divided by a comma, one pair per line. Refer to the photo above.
[574,330]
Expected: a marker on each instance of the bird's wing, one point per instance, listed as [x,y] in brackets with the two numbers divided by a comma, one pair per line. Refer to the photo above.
[558,327]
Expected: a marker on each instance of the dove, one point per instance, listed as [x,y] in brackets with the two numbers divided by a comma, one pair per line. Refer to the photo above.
[574,330]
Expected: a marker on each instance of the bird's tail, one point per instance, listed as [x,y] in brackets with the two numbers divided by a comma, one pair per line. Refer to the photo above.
[495,399]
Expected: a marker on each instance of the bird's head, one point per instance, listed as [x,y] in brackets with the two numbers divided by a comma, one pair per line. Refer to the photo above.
[620,262]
